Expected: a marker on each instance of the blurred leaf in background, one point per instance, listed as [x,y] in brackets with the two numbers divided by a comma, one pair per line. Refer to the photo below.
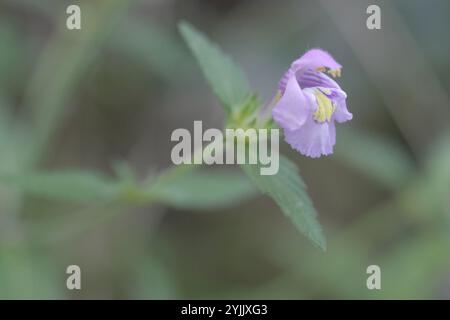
[74,185]
[205,190]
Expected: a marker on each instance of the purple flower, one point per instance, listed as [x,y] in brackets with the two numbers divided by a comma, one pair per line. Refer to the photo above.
[309,102]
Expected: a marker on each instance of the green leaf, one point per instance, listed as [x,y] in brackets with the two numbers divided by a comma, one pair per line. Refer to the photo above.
[205,190]
[76,186]
[289,192]
[377,157]
[225,78]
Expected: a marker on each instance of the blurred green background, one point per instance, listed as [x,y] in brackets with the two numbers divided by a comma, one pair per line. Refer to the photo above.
[107,98]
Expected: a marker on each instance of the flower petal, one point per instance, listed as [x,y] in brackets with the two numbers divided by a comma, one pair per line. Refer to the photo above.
[312,59]
[293,108]
[317,58]
[341,114]
[313,139]
[312,78]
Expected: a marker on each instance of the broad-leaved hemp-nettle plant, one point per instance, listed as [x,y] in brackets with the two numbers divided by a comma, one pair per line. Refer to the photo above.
[306,106]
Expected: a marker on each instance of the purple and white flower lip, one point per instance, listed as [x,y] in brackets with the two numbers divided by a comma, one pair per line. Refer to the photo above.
[309,103]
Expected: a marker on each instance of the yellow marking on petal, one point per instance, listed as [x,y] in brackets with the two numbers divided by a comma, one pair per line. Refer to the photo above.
[335,73]
[321,69]
[325,107]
